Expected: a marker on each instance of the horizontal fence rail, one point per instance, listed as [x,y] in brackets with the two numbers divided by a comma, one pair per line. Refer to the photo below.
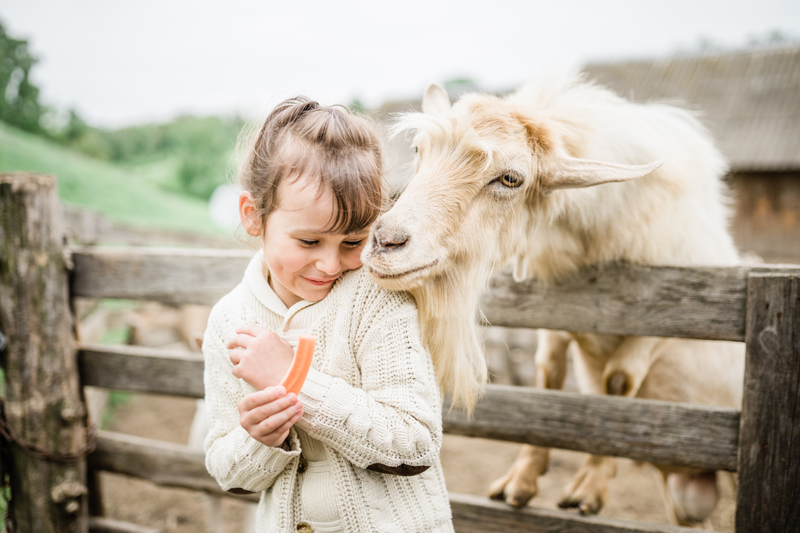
[163,463]
[665,301]
[475,514]
[173,465]
[645,430]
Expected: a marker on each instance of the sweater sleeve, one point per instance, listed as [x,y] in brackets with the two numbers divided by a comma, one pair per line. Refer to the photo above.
[233,457]
[394,417]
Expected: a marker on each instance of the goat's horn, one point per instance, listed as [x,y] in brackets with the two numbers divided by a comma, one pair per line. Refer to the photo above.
[572,173]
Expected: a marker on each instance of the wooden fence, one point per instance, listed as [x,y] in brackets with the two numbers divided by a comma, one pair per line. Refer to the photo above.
[758,305]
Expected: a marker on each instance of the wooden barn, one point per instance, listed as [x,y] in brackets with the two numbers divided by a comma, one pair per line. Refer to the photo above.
[750,100]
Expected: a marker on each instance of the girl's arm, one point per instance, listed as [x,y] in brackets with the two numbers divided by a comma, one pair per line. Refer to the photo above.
[234,458]
[392,422]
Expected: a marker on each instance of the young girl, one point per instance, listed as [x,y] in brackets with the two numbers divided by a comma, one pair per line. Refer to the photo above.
[357,449]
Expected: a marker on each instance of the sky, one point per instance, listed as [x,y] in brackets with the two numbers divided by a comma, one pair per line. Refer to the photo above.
[122,62]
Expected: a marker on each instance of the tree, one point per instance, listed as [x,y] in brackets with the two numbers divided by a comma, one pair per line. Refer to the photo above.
[19,98]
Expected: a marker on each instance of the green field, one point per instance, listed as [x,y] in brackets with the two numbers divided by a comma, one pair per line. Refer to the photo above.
[127,194]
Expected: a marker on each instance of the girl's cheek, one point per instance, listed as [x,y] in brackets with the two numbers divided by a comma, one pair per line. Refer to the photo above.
[353,258]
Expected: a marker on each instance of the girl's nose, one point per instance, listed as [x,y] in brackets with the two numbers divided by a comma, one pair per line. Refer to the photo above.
[328,263]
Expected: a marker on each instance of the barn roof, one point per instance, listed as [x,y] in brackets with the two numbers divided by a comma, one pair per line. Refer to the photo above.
[749,100]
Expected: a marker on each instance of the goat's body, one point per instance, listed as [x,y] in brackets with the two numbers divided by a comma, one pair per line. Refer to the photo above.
[678,214]
[513,180]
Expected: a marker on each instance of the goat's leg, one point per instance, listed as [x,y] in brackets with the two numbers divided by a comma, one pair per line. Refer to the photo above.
[519,484]
[619,370]
[589,488]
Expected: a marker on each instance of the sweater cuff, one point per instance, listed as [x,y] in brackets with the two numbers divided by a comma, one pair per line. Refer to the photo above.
[313,394]
[269,459]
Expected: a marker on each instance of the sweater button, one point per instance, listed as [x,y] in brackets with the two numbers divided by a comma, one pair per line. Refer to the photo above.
[304,527]
[302,466]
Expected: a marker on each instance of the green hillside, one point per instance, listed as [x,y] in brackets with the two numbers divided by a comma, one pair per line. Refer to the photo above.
[127,195]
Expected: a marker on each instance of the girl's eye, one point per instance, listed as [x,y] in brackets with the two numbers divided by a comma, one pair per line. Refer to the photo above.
[353,244]
[509,180]
[306,242]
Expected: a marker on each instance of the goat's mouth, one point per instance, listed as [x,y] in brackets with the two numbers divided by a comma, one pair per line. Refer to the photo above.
[388,275]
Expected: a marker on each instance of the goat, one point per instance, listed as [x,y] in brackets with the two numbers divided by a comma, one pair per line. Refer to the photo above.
[559,175]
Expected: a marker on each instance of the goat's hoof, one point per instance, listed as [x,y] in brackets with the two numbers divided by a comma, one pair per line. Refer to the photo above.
[513,489]
[587,505]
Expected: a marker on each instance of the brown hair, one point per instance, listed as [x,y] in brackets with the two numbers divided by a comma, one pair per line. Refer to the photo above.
[330,144]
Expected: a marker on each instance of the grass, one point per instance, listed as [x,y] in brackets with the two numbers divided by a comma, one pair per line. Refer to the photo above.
[130,195]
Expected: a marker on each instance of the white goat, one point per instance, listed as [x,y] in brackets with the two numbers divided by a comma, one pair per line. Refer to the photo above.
[520,179]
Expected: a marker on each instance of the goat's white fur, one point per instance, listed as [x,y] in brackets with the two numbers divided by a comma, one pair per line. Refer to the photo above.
[561,138]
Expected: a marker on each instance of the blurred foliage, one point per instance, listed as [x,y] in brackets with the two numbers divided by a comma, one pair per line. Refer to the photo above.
[357,106]
[116,400]
[130,195]
[19,98]
[195,150]
[198,150]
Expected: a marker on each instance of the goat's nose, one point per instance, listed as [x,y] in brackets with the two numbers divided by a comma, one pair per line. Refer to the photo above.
[389,239]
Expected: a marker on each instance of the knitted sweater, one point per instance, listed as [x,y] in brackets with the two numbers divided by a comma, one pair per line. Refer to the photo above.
[370,400]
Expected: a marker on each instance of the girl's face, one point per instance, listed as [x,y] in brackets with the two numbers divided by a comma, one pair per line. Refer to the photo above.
[303,259]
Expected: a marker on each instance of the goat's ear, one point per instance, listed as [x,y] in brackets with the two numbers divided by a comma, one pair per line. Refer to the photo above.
[435,100]
[572,173]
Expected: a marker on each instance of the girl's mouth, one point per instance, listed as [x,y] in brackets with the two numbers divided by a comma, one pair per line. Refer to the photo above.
[320,282]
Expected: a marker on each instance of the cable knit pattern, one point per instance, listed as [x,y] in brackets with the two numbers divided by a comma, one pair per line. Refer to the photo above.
[370,398]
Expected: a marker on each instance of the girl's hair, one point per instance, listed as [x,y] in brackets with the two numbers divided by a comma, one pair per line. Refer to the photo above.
[329,144]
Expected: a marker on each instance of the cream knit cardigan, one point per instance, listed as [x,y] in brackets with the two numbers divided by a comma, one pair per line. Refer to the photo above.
[370,397]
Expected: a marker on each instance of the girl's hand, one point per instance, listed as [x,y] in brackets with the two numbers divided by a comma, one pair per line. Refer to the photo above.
[259,356]
[267,415]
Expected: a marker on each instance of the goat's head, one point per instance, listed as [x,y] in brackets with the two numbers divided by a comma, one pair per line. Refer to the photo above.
[482,168]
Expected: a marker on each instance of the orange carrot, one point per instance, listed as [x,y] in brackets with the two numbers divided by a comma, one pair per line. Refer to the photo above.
[296,376]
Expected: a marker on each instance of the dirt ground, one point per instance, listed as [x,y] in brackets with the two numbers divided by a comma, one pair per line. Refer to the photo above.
[470,466]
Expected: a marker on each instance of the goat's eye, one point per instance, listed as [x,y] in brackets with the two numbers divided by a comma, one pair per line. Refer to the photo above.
[416,149]
[510,180]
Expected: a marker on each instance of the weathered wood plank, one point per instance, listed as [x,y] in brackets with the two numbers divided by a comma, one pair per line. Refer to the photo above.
[162,463]
[42,398]
[663,301]
[661,432]
[769,458]
[474,514]
[139,369]
[99,524]
[669,301]
[644,430]
[169,275]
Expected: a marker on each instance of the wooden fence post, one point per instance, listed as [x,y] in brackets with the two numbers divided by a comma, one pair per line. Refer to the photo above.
[43,406]
[769,439]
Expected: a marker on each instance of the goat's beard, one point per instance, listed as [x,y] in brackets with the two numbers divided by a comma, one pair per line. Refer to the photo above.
[448,308]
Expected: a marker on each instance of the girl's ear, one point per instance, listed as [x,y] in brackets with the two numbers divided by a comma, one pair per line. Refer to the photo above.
[247,214]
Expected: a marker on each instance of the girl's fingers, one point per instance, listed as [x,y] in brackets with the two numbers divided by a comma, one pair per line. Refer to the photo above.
[273,408]
[236,356]
[262,412]
[278,420]
[269,394]
[283,431]
[240,341]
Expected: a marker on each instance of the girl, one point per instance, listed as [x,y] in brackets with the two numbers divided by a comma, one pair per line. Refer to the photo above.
[357,449]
